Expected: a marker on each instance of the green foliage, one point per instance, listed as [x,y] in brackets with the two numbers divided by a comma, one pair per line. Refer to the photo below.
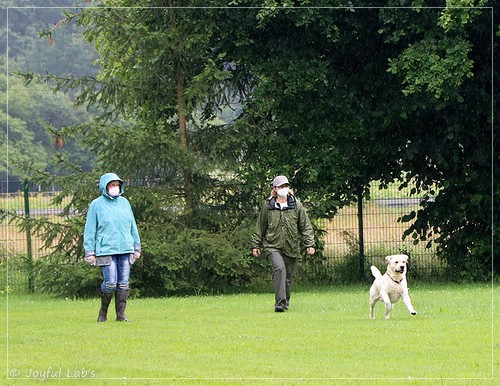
[23,144]
[186,249]
[320,269]
[66,53]
[189,261]
[14,272]
[434,65]
[57,275]
[209,255]
[468,253]
[316,115]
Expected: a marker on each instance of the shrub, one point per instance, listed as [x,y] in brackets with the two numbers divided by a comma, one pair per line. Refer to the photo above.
[57,275]
[190,261]
[14,275]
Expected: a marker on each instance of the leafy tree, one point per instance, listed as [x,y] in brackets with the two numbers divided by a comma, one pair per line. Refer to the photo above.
[446,70]
[329,109]
[321,99]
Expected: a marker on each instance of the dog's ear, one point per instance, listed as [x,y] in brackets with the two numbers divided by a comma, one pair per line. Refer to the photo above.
[388,259]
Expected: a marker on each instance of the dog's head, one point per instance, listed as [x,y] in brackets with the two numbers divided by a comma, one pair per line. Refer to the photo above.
[396,264]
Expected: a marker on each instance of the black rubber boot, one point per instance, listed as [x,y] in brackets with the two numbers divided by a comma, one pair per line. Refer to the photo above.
[120,304]
[105,300]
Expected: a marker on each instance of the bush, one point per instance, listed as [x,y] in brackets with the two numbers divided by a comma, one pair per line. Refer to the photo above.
[57,275]
[191,261]
[14,275]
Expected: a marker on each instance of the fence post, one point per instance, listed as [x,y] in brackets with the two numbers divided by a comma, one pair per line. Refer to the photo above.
[29,251]
[361,238]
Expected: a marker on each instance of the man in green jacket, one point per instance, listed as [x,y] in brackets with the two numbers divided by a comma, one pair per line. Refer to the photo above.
[281,224]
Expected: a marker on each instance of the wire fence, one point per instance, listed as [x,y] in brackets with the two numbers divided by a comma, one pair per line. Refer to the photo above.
[351,242]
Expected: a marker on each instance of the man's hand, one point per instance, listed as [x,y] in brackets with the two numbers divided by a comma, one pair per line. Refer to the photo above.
[256,252]
[311,250]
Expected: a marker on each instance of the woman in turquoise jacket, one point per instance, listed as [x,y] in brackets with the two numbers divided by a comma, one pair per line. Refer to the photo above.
[111,241]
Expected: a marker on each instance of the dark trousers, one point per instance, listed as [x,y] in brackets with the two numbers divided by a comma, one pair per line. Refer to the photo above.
[283,272]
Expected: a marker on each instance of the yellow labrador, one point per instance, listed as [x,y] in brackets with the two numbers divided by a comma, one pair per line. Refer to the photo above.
[391,286]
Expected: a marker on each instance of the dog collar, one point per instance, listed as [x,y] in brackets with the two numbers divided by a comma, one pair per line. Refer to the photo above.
[395,281]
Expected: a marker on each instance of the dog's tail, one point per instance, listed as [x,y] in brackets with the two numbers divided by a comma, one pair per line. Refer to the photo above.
[375,272]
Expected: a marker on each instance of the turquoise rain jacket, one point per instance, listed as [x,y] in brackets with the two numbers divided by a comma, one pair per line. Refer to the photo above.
[110,228]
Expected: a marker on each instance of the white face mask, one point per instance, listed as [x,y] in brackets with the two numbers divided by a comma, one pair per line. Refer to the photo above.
[114,191]
[283,192]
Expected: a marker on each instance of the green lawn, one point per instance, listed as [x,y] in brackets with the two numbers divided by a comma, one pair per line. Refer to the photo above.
[326,339]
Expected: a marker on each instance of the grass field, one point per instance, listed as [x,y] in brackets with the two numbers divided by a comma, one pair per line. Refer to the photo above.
[326,338]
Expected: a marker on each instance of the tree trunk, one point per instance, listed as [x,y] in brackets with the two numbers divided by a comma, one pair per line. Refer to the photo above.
[188,183]
[181,112]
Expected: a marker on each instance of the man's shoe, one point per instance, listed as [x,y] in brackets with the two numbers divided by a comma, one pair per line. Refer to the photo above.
[279,309]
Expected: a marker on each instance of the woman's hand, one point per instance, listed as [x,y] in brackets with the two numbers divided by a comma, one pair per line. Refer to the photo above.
[134,256]
[90,259]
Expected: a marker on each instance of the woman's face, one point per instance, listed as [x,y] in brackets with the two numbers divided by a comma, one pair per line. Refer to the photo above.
[112,184]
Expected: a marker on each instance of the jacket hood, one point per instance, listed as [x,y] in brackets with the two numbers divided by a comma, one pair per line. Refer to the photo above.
[106,179]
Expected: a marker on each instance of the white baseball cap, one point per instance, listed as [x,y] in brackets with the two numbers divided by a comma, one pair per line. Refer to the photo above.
[279,180]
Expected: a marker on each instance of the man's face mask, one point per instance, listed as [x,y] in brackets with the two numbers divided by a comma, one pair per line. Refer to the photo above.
[283,192]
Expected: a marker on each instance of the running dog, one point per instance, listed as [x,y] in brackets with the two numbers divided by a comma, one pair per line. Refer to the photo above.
[391,286]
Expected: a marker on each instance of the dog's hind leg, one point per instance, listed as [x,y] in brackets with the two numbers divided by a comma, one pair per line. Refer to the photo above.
[387,313]
[372,307]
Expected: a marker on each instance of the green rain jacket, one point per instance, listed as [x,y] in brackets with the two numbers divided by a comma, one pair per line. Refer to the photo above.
[282,229]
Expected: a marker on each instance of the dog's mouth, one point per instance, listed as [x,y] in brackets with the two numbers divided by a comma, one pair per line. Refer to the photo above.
[401,269]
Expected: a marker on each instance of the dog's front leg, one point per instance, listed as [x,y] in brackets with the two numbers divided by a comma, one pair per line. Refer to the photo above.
[407,302]
[387,303]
